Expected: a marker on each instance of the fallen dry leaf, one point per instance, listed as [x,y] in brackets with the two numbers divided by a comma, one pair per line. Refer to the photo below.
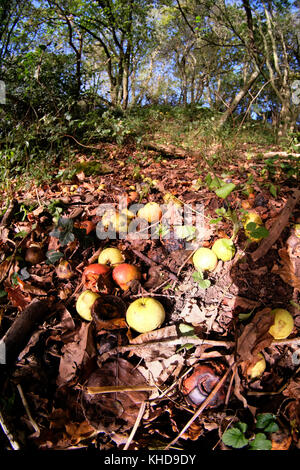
[290,269]
[114,411]
[73,354]
[255,337]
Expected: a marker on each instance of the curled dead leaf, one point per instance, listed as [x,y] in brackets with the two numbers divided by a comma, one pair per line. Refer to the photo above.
[255,337]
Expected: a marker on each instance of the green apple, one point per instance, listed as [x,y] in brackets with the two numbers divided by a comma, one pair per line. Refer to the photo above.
[145,314]
[84,304]
[224,249]
[205,259]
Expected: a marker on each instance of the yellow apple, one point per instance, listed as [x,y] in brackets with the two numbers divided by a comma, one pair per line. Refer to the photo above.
[205,259]
[224,249]
[258,368]
[283,324]
[255,218]
[151,212]
[145,314]
[111,256]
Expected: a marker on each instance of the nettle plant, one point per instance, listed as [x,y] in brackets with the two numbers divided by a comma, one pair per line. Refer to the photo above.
[237,436]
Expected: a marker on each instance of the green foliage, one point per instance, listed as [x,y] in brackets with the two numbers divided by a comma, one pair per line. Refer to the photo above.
[198,277]
[236,435]
[64,231]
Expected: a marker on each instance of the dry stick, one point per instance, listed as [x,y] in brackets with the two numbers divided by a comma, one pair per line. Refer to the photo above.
[14,444]
[25,404]
[136,425]
[120,388]
[201,407]
[277,228]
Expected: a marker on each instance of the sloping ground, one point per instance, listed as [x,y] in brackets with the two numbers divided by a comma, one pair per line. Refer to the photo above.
[212,331]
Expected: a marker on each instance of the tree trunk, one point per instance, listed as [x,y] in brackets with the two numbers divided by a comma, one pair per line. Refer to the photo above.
[238,98]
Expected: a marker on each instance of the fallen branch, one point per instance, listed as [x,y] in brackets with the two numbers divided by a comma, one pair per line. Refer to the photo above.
[277,228]
[172,150]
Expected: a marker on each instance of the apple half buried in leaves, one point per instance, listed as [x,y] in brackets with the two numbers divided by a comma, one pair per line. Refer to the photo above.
[145,314]
[85,303]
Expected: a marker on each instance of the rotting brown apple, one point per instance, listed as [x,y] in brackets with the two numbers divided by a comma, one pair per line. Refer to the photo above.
[197,386]
[125,273]
[34,254]
[92,273]
[64,270]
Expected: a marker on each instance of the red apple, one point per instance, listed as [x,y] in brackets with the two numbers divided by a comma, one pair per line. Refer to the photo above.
[92,273]
[124,273]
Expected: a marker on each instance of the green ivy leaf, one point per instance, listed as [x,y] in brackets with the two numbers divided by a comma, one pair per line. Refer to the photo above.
[225,190]
[53,256]
[260,442]
[256,231]
[266,421]
[234,437]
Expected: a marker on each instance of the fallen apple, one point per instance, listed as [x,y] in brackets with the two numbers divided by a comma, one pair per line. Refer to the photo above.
[257,369]
[91,274]
[64,270]
[85,303]
[34,254]
[224,249]
[88,226]
[150,212]
[124,273]
[119,222]
[205,259]
[111,256]
[145,314]
[283,324]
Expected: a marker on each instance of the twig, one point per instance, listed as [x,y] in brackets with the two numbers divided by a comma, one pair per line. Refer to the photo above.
[201,407]
[24,401]
[14,444]
[119,388]
[136,425]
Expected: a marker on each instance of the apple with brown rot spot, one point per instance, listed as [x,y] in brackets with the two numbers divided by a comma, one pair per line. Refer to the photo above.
[91,274]
[124,273]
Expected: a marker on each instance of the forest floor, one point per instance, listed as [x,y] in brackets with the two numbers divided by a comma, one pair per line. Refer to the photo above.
[212,332]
